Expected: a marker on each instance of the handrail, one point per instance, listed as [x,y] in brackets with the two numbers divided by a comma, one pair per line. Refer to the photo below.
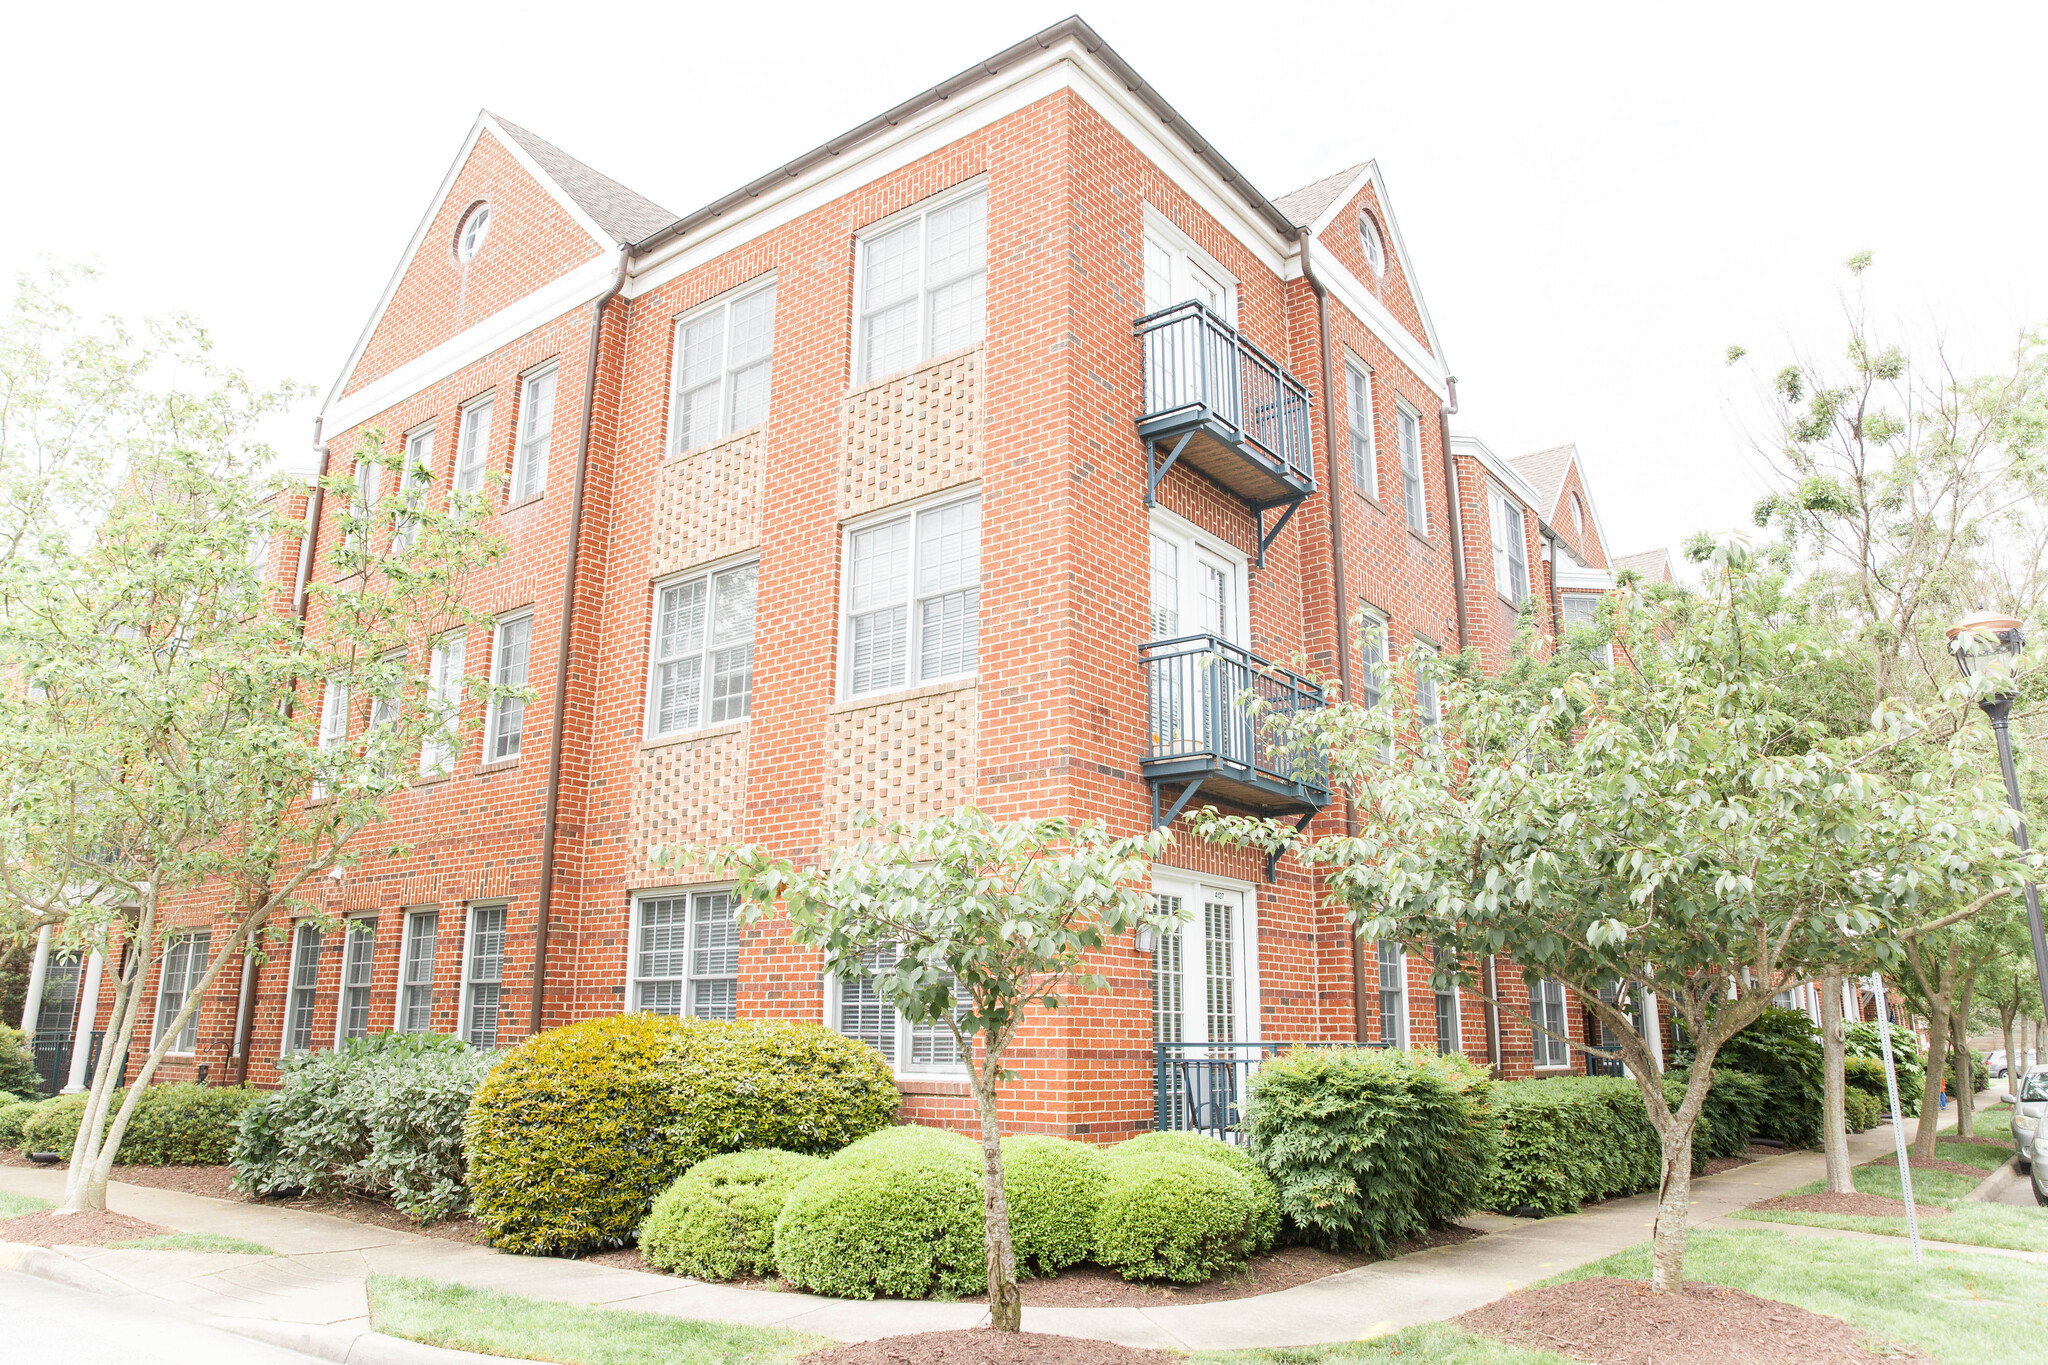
[1199,365]
[1200,694]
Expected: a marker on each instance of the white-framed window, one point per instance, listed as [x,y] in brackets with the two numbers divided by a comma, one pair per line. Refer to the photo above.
[185,959]
[300,986]
[922,283]
[1510,549]
[1176,270]
[912,598]
[444,702]
[483,974]
[686,954]
[1369,242]
[256,551]
[1204,968]
[475,228]
[511,643]
[1198,582]
[369,491]
[1373,656]
[1413,493]
[536,429]
[333,724]
[413,475]
[724,368]
[1546,1007]
[1581,610]
[415,1012]
[384,706]
[700,668]
[1365,474]
[857,1010]
[1428,709]
[1448,1039]
[1393,988]
[358,958]
[473,446]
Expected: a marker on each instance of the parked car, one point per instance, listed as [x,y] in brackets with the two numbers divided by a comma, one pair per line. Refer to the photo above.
[1994,1062]
[2039,1177]
[2029,1111]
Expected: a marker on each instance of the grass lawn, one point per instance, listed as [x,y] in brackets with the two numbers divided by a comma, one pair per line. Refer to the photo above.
[15,1205]
[1958,1308]
[1972,1224]
[483,1320]
[193,1241]
[1435,1342]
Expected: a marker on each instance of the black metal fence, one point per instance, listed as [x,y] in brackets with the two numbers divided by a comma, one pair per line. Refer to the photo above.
[1602,1066]
[1201,1087]
[1210,699]
[1198,364]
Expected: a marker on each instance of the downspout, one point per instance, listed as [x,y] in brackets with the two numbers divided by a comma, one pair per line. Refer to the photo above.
[1308,272]
[552,808]
[1556,603]
[1444,413]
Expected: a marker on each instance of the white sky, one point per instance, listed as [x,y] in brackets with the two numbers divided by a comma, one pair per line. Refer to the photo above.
[1598,198]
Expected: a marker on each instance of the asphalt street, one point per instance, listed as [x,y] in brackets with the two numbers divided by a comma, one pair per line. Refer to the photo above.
[55,1322]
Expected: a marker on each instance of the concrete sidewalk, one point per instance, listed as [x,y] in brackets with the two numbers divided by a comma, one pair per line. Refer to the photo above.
[312,1297]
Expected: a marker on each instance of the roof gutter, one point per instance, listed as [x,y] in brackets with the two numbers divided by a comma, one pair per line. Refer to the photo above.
[550,814]
[1444,413]
[1072,28]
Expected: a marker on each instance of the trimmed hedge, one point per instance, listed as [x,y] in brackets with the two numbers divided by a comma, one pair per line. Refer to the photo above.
[1782,1048]
[12,1117]
[18,1064]
[379,1116]
[898,1213]
[577,1130]
[1372,1146]
[718,1221]
[1169,1215]
[53,1126]
[1265,1194]
[1054,1186]
[1732,1115]
[1862,1111]
[1864,1043]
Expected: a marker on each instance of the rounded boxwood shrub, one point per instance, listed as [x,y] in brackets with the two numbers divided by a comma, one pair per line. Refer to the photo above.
[1166,1215]
[1266,1224]
[718,1221]
[1053,1186]
[18,1064]
[53,1127]
[578,1129]
[12,1117]
[182,1124]
[898,1213]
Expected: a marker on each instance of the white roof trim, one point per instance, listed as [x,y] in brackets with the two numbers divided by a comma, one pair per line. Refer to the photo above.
[1592,506]
[1370,174]
[1502,472]
[1572,578]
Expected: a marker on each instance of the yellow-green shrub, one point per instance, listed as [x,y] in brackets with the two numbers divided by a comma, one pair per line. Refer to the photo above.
[718,1221]
[1265,1194]
[1053,1186]
[1166,1215]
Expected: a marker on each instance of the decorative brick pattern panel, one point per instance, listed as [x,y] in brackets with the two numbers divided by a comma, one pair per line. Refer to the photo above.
[707,504]
[911,435]
[902,758]
[688,791]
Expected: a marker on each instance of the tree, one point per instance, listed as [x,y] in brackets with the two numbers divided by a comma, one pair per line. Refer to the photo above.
[966,922]
[158,697]
[2009,994]
[1666,825]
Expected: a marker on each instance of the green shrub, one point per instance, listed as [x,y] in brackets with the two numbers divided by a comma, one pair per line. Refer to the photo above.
[1732,1115]
[1782,1048]
[579,1128]
[379,1116]
[1265,1194]
[1372,1146]
[1980,1075]
[718,1221]
[182,1124]
[1167,1215]
[12,1117]
[53,1127]
[1862,1110]
[1912,1071]
[18,1064]
[1571,1139]
[1054,1186]
[898,1213]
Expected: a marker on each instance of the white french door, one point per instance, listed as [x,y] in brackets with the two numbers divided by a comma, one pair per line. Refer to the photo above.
[1198,588]
[1191,361]
[1204,997]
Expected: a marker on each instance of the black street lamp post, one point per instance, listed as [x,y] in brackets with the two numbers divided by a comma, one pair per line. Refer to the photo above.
[1987,645]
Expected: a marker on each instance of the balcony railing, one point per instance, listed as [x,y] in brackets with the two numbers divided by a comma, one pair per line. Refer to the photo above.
[1224,405]
[1201,1087]
[1215,711]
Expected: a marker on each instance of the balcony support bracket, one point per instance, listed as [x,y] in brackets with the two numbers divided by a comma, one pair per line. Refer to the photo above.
[1266,538]
[1155,468]
[1187,794]
[1273,858]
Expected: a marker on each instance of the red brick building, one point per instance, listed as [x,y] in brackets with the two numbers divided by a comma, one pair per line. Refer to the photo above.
[967,458]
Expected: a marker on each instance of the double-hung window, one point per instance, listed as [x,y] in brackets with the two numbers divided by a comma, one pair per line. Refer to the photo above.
[1393,964]
[922,286]
[256,550]
[473,448]
[185,958]
[384,706]
[1546,1007]
[483,974]
[1412,494]
[510,644]
[416,972]
[1365,474]
[1510,550]
[686,955]
[358,956]
[333,725]
[412,485]
[300,986]
[1447,1040]
[725,358]
[536,427]
[1428,709]
[1582,612]
[859,1011]
[444,704]
[913,598]
[369,480]
[1372,651]
[701,661]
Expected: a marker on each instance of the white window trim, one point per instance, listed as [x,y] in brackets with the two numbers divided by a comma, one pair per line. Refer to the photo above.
[898,1065]
[1190,537]
[1426,657]
[1538,1040]
[708,572]
[487,402]
[658,893]
[1565,624]
[1407,1038]
[291,971]
[406,935]
[1376,253]
[1163,229]
[723,303]
[491,716]
[1186,884]
[163,960]
[1353,365]
[469,913]
[1457,1016]
[481,207]
[521,435]
[1505,517]
[913,647]
[1403,410]
[348,939]
[433,762]
[410,472]
[882,227]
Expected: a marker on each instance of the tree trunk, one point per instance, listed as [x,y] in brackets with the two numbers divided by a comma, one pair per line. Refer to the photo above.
[1964,1091]
[1834,1102]
[2013,1061]
[1930,1086]
[1005,1300]
[1674,1196]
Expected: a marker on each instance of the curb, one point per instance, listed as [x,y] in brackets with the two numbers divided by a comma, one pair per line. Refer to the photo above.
[347,1344]
[1993,1186]
[46,1264]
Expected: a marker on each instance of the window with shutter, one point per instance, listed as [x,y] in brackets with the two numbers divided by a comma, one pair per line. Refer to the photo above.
[913,598]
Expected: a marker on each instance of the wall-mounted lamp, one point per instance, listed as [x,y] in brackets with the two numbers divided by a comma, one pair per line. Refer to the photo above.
[1148,938]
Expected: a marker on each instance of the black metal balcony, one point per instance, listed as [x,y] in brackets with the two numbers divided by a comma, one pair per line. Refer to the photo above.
[1225,408]
[1212,709]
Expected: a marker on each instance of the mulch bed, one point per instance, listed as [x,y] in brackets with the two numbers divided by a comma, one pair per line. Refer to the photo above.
[1934,1164]
[1859,1204]
[95,1228]
[1620,1322]
[1742,1158]
[984,1346]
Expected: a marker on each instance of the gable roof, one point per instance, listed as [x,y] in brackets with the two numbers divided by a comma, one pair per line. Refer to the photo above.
[1545,469]
[1315,205]
[1654,565]
[625,216]
[1307,204]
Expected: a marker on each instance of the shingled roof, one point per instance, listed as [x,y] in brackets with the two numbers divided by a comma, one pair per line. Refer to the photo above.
[1654,565]
[1306,204]
[622,213]
[1545,469]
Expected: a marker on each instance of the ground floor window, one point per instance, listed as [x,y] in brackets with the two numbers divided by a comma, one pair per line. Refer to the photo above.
[185,959]
[686,955]
[358,954]
[1447,1032]
[305,977]
[1546,1007]
[1393,966]
[859,1011]
[416,972]
[483,973]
